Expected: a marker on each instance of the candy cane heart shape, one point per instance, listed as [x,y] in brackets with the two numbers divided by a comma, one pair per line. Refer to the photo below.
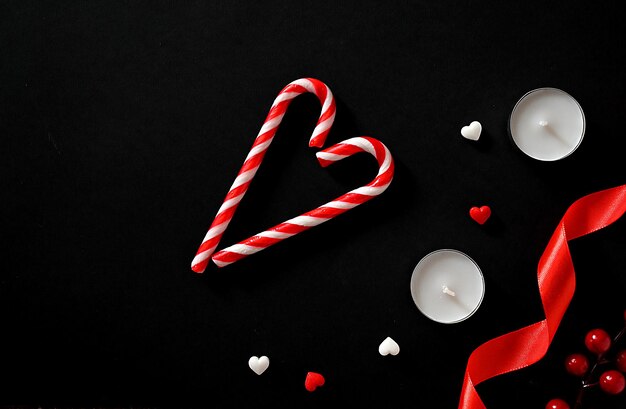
[257,153]
[325,212]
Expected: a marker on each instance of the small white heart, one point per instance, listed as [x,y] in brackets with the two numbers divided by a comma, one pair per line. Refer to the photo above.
[388,346]
[472,131]
[258,365]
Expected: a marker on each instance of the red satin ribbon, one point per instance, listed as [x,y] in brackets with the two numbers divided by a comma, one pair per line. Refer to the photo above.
[523,347]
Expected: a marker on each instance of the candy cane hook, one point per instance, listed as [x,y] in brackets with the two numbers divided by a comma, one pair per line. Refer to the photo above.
[257,153]
[325,212]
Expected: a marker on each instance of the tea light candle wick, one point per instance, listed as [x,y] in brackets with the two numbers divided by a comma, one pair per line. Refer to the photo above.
[448,291]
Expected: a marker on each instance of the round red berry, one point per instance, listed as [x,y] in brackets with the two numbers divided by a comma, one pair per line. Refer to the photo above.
[612,382]
[557,404]
[598,341]
[621,360]
[577,364]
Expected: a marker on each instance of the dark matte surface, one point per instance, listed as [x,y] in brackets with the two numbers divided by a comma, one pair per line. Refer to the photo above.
[123,124]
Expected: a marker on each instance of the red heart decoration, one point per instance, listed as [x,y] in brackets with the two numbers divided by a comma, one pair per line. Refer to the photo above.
[480,214]
[313,380]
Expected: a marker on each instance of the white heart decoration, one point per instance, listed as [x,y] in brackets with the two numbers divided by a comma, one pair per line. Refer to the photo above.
[259,365]
[472,131]
[388,346]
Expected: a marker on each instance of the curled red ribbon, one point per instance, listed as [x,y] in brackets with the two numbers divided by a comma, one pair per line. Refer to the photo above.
[555,274]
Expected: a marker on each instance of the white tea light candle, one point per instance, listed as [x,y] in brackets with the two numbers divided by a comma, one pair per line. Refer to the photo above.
[447,286]
[547,124]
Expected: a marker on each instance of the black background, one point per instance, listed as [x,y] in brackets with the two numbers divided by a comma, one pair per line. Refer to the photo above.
[123,124]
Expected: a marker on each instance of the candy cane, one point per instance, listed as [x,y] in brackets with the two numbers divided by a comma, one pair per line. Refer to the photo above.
[256,154]
[325,212]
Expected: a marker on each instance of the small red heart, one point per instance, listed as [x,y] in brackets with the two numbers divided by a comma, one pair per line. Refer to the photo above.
[313,380]
[480,214]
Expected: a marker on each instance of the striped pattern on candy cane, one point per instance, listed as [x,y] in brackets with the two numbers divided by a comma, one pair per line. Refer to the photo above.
[257,153]
[325,212]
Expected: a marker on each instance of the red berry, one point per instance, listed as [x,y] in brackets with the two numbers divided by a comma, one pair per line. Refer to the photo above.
[557,404]
[612,382]
[598,341]
[621,360]
[577,364]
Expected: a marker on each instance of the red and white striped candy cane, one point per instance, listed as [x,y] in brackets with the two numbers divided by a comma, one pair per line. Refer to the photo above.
[325,212]
[257,153]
